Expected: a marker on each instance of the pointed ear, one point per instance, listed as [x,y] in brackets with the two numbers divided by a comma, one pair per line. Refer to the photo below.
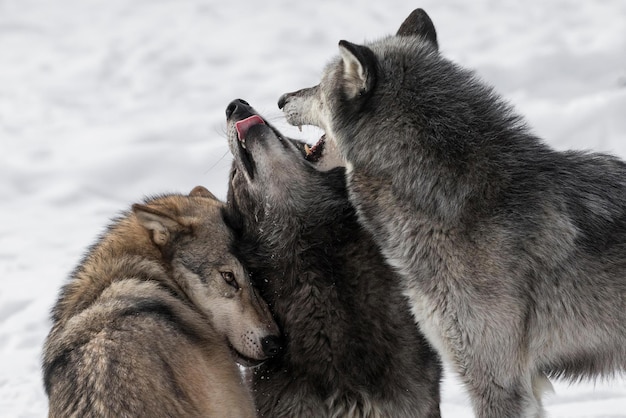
[419,24]
[159,223]
[359,68]
[202,192]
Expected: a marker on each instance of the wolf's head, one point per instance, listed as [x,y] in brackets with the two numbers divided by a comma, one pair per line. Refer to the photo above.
[193,238]
[398,110]
[276,176]
[370,90]
[288,213]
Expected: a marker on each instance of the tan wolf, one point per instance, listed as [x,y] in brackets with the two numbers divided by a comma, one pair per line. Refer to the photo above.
[153,319]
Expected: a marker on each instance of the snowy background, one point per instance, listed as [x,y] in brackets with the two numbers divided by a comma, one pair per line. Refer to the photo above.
[105,101]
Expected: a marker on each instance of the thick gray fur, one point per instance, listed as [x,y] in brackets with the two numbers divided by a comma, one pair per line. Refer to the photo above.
[513,254]
[352,348]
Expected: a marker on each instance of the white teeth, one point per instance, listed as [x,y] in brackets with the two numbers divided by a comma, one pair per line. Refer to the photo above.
[307,149]
[243,144]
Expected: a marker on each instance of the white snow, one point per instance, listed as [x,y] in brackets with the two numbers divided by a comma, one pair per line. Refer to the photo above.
[105,101]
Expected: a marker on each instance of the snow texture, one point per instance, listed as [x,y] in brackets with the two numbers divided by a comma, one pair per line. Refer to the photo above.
[103,102]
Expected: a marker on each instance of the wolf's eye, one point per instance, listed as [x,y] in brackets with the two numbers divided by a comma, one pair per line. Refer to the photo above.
[229,278]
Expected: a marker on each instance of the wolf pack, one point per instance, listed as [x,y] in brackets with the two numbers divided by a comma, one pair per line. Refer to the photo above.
[427,226]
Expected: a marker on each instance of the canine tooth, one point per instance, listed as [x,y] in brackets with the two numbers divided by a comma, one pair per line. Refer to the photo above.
[307,149]
[300,128]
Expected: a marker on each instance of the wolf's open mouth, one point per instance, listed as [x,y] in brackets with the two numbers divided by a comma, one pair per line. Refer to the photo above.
[244,125]
[311,154]
[314,153]
[324,155]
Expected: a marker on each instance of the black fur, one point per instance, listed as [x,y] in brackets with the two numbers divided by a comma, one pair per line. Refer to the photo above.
[351,342]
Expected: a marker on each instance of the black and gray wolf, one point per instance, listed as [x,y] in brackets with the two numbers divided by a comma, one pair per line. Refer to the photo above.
[513,254]
[352,348]
[152,320]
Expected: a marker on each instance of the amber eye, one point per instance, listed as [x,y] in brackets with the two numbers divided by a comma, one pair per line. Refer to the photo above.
[229,278]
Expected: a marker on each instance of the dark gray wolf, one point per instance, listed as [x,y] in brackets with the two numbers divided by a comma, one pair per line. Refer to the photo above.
[153,318]
[352,348]
[513,254]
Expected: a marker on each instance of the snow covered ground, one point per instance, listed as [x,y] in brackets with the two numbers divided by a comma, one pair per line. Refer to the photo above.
[105,101]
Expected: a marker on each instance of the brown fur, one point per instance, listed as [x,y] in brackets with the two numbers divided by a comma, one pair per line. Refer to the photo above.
[146,323]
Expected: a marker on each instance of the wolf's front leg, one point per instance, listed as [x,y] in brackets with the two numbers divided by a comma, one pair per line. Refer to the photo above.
[515,400]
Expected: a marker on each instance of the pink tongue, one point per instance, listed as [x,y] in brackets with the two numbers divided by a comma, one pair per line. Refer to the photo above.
[244,125]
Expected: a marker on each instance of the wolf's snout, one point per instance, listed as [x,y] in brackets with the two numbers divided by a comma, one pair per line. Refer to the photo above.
[282,101]
[237,106]
[272,345]
[305,94]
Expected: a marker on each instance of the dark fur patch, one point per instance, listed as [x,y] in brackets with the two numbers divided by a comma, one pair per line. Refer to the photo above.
[351,342]
[164,312]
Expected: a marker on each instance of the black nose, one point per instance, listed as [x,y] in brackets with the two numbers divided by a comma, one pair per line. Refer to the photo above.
[235,105]
[271,345]
[282,101]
